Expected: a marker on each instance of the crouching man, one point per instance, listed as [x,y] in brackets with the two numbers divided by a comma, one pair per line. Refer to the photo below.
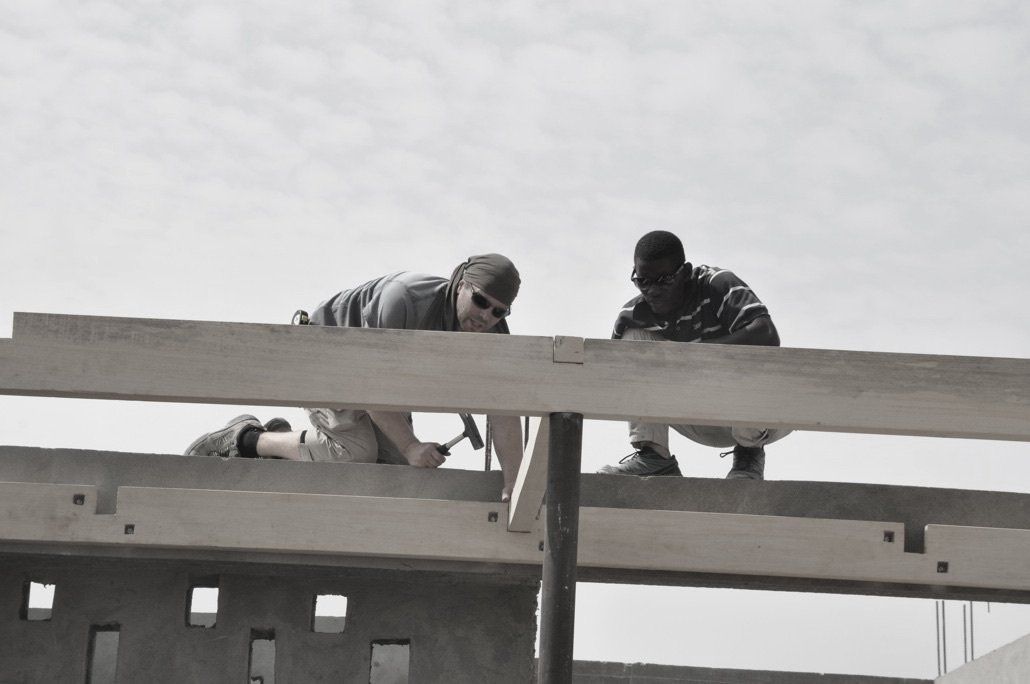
[679,302]
[476,298]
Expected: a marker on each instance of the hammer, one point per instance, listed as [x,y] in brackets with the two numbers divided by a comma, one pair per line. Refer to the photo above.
[471,431]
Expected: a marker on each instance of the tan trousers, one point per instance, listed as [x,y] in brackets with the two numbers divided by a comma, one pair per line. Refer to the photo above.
[347,435]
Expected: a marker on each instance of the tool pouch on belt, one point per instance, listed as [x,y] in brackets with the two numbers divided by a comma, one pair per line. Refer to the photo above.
[300,317]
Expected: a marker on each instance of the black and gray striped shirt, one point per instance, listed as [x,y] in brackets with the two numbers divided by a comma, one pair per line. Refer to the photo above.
[718,303]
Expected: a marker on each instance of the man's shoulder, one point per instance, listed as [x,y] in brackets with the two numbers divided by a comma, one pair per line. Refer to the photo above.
[631,308]
[411,284]
[715,277]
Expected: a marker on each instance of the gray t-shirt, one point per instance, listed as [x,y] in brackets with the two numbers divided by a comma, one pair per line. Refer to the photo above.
[400,300]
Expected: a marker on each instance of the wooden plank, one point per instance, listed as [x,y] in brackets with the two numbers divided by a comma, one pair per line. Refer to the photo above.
[988,554]
[42,512]
[634,539]
[190,361]
[730,543]
[238,363]
[528,494]
[263,521]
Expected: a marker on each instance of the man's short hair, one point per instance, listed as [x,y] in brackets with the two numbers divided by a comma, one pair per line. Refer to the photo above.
[659,244]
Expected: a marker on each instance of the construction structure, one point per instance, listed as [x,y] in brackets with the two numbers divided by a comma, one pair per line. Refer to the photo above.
[441,580]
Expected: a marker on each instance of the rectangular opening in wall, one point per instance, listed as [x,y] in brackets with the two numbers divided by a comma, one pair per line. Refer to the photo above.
[102,657]
[202,603]
[37,602]
[390,660]
[330,614]
[262,656]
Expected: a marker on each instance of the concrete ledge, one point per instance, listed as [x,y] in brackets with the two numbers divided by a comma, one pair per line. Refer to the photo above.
[913,506]
[1009,664]
[592,672]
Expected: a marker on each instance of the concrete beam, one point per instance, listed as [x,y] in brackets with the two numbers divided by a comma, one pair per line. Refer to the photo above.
[915,507]
[297,524]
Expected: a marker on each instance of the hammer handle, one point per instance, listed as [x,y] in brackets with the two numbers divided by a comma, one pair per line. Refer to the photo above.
[444,448]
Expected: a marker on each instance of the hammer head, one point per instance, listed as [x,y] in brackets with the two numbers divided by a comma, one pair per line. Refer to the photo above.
[472,431]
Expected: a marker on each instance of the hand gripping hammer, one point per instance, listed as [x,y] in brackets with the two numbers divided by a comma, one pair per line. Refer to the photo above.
[471,431]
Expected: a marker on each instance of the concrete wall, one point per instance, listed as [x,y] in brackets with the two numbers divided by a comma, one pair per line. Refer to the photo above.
[1009,664]
[457,631]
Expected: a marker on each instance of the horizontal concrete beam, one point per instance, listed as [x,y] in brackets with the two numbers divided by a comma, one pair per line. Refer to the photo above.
[191,361]
[915,507]
[470,531]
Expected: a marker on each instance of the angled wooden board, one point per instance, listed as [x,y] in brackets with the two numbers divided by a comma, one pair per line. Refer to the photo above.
[531,484]
[191,361]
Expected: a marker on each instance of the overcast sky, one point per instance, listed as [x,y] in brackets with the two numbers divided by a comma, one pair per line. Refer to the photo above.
[865,167]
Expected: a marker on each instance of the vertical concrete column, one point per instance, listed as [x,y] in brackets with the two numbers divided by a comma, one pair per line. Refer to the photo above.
[558,588]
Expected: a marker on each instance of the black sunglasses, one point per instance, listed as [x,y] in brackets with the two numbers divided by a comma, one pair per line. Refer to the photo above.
[483,303]
[659,281]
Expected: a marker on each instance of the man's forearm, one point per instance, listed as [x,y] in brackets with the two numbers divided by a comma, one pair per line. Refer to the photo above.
[396,428]
[760,331]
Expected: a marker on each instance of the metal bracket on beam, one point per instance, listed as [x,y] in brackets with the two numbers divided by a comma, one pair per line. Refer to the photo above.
[568,349]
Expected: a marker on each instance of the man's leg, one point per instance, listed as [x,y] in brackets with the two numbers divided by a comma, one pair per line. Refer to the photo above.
[652,457]
[337,436]
[651,440]
[748,446]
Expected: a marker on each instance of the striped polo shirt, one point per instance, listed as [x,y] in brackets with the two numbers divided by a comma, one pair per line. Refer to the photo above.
[718,303]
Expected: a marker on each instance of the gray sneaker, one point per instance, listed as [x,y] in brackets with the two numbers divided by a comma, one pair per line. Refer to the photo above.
[644,463]
[224,442]
[748,463]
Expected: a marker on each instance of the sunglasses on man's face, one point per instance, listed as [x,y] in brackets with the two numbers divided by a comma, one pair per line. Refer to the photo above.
[483,303]
[657,281]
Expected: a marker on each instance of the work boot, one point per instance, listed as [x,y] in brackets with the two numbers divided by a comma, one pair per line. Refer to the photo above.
[748,463]
[278,425]
[224,443]
[644,463]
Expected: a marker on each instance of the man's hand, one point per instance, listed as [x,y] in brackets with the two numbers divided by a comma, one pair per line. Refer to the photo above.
[506,493]
[424,455]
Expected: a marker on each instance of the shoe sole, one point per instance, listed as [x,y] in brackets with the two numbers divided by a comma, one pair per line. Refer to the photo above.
[674,471]
[204,437]
[742,475]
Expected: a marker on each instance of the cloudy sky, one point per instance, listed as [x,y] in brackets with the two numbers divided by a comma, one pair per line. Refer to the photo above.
[865,167]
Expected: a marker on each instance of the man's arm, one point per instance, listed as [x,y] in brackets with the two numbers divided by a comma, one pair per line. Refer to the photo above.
[395,426]
[760,331]
[507,437]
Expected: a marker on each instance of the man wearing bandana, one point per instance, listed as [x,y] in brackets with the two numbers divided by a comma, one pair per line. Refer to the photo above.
[475,299]
[679,302]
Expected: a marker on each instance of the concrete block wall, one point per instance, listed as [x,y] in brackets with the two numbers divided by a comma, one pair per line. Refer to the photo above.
[456,629]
